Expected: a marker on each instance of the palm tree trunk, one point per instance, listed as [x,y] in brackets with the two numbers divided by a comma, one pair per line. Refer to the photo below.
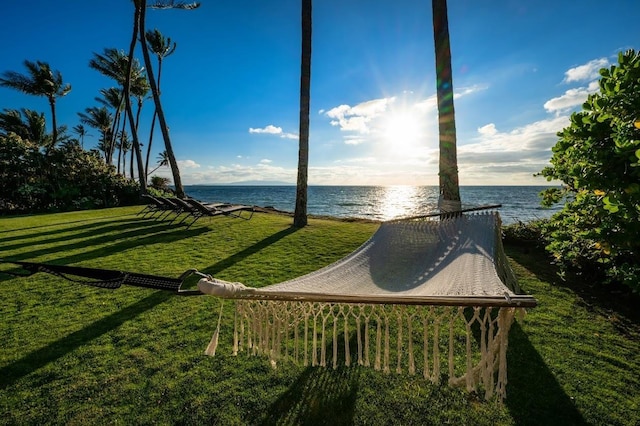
[112,143]
[448,173]
[177,181]
[54,122]
[127,98]
[153,123]
[131,161]
[139,152]
[300,214]
[146,164]
[120,146]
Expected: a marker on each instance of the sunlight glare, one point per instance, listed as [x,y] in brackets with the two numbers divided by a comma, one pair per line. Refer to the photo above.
[400,201]
[402,131]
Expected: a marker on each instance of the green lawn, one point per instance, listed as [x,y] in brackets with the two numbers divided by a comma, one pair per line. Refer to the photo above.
[73,354]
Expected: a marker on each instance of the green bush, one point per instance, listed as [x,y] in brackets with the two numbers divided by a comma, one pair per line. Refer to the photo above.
[525,233]
[598,159]
[63,178]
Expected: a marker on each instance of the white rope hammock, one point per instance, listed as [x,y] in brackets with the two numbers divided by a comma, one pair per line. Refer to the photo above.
[425,292]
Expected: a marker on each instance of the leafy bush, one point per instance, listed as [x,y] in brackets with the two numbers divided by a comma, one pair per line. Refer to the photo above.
[62,178]
[598,159]
[525,233]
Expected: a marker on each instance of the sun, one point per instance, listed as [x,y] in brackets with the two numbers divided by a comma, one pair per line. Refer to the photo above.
[402,131]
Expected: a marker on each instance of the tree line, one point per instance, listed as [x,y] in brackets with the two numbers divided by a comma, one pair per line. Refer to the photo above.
[116,118]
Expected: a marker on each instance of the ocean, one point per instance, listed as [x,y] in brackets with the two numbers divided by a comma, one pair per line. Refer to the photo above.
[519,203]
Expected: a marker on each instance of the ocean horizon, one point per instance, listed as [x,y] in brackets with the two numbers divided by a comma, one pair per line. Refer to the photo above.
[518,203]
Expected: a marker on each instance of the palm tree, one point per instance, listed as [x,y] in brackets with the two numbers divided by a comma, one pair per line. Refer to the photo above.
[300,214]
[126,70]
[113,64]
[11,122]
[81,132]
[139,90]
[139,30]
[112,98]
[128,81]
[161,47]
[448,173]
[160,183]
[163,160]
[36,125]
[27,124]
[116,64]
[40,81]
[124,145]
[100,119]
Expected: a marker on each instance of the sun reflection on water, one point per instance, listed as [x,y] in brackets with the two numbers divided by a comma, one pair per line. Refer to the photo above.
[400,201]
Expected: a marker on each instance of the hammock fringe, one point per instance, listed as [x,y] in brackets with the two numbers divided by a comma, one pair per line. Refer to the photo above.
[472,341]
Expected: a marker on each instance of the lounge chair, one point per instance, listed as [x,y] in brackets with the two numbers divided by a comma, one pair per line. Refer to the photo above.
[157,208]
[211,210]
[150,207]
[188,209]
[173,206]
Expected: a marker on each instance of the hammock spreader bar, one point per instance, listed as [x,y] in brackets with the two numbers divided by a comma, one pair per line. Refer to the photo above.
[106,278]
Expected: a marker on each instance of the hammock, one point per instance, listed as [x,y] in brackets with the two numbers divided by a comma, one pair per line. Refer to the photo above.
[424,292]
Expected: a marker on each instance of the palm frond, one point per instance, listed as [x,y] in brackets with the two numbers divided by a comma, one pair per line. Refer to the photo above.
[171,4]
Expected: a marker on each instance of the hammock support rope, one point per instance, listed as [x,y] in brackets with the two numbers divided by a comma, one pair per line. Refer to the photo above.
[105,278]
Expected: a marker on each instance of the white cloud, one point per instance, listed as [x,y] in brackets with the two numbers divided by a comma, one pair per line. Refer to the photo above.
[586,72]
[238,173]
[289,136]
[357,118]
[370,119]
[353,140]
[273,130]
[365,160]
[188,164]
[571,98]
[270,129]
[488,130]
[510,158]
[373,107]
[575,97]
[464,91]
[426,105]
[265,161]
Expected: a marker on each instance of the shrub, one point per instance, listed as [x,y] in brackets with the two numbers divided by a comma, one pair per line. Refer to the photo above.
[598,158]
[62,178]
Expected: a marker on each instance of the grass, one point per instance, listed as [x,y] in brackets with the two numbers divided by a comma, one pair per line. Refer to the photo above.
[73,354]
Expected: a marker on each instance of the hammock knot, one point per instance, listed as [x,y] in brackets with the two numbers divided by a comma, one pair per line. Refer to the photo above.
[221,288]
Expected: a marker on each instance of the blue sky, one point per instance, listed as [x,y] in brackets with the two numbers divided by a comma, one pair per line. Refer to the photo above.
[231,89]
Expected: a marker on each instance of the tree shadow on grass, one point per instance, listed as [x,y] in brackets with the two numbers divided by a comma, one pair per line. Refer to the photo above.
[319,396]
[594,296]
[90,221]
[123,241]
[120,242]
[41,357]
[534,396]
[59,228]
[253,249]
[84,231]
